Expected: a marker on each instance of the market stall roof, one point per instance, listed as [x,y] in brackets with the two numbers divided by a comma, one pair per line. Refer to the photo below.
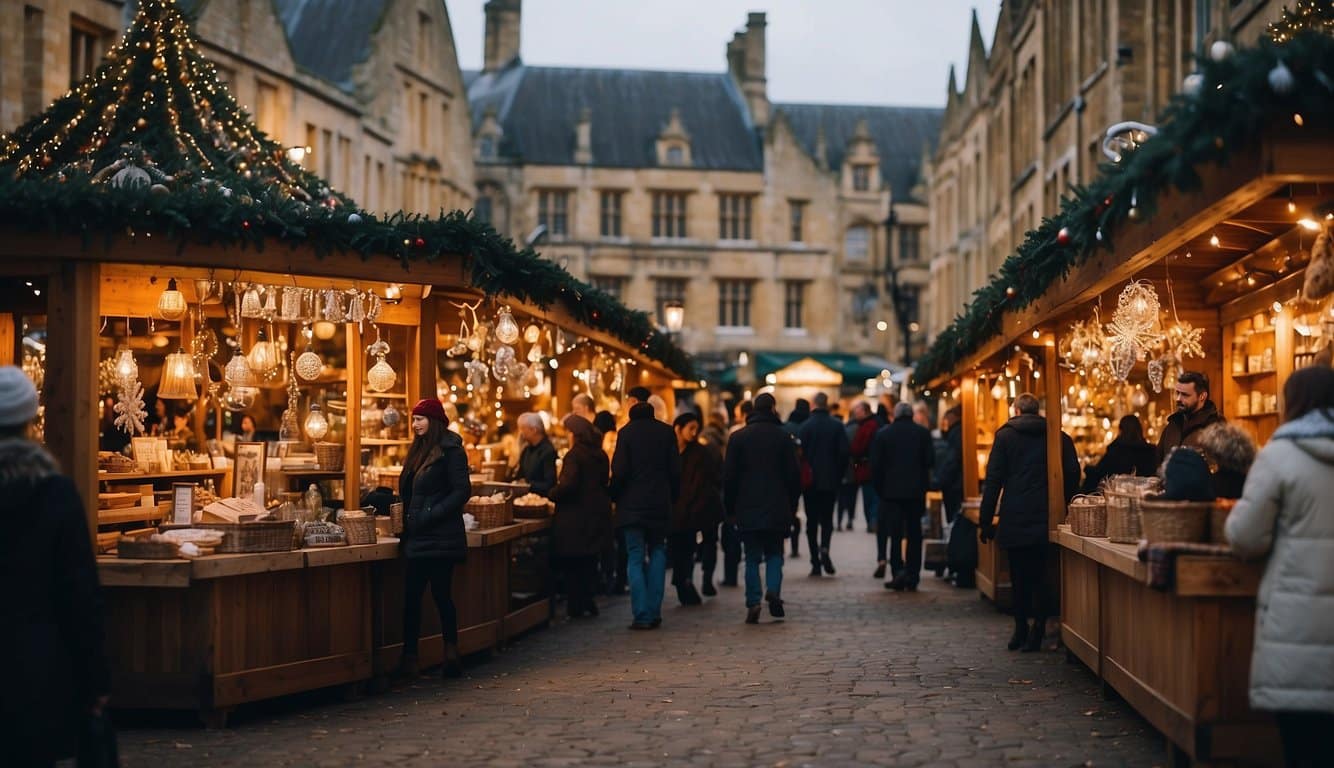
[152,143]
[853,369]
[1258,123]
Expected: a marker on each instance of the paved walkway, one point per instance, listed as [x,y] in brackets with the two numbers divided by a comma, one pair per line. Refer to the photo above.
[856,675]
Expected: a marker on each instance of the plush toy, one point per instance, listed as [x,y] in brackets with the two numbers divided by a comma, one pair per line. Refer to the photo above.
[1320,272]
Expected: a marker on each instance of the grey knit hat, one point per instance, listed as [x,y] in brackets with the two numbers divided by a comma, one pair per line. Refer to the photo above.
[18,397]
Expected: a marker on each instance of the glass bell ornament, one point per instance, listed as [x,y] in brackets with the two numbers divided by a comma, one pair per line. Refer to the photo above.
[238,374]
[333,306]
[251,306]
[291,311]
[507,331]
[356,307]
[270,304]
[317,426]
[171,304]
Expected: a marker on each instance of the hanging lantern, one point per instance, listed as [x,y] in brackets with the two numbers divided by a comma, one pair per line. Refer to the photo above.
[171,304]
[126,368]
[532,333]
[291,311]
[998,391]
[238,374]
[325,330]
[250,304]
[263,357]
[507,331]
[381,377]
[317,426]
[178,378]
[309,365]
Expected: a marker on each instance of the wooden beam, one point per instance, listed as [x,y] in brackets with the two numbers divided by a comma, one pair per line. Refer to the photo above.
[356,374]
[9,340]
[425,365]
[968,425]
[73,409]
[1055,470]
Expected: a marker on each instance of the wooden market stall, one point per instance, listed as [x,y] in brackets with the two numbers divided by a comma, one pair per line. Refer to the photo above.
[1217,268]
[152,239]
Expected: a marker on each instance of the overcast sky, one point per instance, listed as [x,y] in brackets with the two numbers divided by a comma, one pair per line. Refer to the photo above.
[835,51]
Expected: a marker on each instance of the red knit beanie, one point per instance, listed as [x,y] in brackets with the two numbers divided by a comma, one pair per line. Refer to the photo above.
[431,408]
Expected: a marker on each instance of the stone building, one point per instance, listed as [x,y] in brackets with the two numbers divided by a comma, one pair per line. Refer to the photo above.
[766,220]
[1032,113]
[371,88]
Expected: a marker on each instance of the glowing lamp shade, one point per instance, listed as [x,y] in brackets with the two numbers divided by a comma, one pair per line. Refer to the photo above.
[998,391]
[238,374]
[532,333]
[381,377]
[263,357]
[171,304]
[324,330]
[317,426]
[674,314]
[178,378]
[507,331]
[126,368]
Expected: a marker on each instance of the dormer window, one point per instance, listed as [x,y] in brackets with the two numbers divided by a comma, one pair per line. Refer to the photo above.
[676,155]
[488,136]
[486,147]
[861,178]
[674,143]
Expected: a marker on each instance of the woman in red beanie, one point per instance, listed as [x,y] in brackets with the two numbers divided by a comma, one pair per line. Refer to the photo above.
[434,486]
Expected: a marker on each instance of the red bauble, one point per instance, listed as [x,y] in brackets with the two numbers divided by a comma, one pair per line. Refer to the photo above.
[1063,236]
[1009,292]
[420,242]
[245,224]
[597,315]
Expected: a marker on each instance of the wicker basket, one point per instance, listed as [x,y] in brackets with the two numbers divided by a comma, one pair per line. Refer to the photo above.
[140,548]
[1218,520]
[533,511]
[329,456]
[491,514]
[1123,523]
[1175,520]
[360,530]
[1087,516]
[267,536]
[396,518]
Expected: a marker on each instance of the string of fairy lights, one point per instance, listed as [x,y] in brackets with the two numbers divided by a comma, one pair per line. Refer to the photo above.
[1306,15]
[93,124]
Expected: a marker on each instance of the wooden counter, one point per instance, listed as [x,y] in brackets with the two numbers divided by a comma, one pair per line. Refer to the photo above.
[1182,657]
[218,631]
[993,567]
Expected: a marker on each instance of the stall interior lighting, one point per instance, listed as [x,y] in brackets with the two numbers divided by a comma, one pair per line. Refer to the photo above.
[1310,224]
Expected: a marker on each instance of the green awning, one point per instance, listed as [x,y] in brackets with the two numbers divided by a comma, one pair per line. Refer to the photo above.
[856,369]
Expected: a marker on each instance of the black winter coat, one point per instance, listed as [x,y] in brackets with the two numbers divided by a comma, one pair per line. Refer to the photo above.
[537,466]
[1018,466]
[761,479]
[700,505]
[50,609]
[950,472]
[433,499]
[1122,458]
[645,472]
[824,443]
[901,458]
[1185,430]
[582,525]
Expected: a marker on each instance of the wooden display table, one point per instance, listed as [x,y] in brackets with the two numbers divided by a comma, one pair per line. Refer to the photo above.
[1181,658]
[993,567]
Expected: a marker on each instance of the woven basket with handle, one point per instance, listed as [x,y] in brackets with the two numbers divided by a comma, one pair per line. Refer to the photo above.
[1087,516]
[1165,521]
[329,456]
[490,514]
[360,530]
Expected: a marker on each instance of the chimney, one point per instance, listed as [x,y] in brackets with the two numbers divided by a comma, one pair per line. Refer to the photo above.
[754,85]
[736,57]
[583,138]
[502,34]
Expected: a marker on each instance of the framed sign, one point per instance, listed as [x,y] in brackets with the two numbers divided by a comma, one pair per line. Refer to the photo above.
[182,503]
[249,468]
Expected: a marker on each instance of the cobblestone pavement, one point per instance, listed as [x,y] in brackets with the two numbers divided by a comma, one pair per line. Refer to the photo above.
[856,675]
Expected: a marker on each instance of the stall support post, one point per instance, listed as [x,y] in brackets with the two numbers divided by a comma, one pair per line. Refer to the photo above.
[1055,469]
[427,334]
[73,409]
[356,358]
[968,423]
[9,354]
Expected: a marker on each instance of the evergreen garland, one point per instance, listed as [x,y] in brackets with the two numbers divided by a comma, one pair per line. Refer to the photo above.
[1234,106]
[212,177]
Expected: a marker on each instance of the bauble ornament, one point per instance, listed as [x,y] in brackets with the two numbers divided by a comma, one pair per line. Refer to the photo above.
[1221,50]
[1192,84]
[354,218]
[1009,292]
[131,176]
[1281,79]
[1063,236]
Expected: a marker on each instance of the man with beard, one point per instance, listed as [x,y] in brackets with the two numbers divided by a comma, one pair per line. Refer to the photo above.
[1195,411]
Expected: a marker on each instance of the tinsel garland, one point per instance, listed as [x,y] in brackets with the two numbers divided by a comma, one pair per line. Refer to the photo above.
[1234,107]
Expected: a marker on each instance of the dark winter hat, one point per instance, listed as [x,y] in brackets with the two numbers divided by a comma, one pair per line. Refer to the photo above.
[431,408]
[605,422]
[765,403]
[18,397]
[639,393]
[1186,476]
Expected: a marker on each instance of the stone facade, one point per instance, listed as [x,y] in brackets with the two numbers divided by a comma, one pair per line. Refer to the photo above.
[1030,118]
[782,242]
[372,87]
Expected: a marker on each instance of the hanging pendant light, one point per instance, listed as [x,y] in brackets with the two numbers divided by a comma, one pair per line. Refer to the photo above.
[206,290]
[532,333]
[263,357]
[171,304]
[381,376]
[309,364]
[507,331]
[126,367]
[178,377]
[317,426]
[237,374]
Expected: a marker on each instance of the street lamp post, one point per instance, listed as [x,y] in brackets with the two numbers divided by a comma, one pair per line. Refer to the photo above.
[674,315]
[905,323]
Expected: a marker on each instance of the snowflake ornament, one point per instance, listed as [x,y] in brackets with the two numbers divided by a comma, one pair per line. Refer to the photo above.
[130,408]
[1185,340]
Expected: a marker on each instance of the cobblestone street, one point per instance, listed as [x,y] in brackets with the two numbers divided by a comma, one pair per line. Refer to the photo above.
[856,675]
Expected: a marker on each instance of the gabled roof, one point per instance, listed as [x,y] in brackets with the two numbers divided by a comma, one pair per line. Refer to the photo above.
[899,134]
[329,38]
[539,107]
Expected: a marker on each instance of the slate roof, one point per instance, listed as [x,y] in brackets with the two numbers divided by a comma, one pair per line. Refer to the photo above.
[329,38]
[539,107]
[900,135]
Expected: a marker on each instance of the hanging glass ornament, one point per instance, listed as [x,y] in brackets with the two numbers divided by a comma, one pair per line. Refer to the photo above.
[1185,340]
[535,353]
[238,374]
[251,307]
[309,364]
[126,367]
[288,429]
[507,331]
[477,374]
[1139,398]
[1156,374]
[381,376]
[373,307]
[500,367]
[333,306]
[532,333]
[1123,360]
[390,416]
[291,311]
[356,307]
[171,304]
[317,426]
[270,304]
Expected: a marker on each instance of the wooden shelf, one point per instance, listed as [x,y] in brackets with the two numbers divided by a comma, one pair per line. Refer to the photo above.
[116,477]
[129,515]
[313,472]
[383,395]
[383,441]
[1253,374]
[1267,415]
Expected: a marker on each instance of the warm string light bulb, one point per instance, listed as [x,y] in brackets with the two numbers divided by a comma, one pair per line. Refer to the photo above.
[317,426]
[171,304]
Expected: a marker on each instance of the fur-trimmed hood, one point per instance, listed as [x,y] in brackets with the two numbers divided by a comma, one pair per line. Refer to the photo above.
[23,464]
[1229,446]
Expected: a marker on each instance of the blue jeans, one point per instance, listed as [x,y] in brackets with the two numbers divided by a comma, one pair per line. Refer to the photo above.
[647,579]
[767,546]
[870,503]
